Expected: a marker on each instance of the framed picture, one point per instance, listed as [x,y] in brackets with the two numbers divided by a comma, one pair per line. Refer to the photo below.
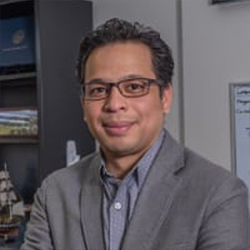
[18,124]
[225,1]
[17,38]
[240,127]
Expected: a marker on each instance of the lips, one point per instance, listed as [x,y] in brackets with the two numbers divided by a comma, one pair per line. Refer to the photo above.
[117,128]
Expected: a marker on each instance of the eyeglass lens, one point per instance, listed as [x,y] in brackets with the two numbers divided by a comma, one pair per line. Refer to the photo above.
[128,88]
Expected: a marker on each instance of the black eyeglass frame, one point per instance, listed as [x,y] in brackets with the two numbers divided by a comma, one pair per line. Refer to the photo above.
[110,85]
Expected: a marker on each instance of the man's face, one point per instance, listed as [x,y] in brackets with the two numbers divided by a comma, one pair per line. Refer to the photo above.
[124,126]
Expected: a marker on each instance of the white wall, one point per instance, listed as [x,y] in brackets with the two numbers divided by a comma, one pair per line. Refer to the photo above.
[212,44]
[216,52]
[161,15]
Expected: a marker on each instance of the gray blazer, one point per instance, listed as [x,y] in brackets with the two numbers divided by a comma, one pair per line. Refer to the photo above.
[186,203]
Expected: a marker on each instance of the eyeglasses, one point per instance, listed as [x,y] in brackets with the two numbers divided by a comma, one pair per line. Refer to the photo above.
[97,89]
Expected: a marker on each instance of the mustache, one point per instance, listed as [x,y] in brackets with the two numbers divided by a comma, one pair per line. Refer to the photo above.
[118,121]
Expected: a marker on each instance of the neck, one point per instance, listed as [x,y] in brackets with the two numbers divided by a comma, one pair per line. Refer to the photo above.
[119,166]
[120,163]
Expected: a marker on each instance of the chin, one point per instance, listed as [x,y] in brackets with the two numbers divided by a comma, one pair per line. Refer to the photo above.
[125,149]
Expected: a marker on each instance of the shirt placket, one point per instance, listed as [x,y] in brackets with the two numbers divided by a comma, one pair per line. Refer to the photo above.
[117,218]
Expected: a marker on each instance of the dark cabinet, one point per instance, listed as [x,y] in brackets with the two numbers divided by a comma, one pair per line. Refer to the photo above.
[45,82]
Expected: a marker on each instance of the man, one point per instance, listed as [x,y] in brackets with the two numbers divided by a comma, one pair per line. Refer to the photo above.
[142,190]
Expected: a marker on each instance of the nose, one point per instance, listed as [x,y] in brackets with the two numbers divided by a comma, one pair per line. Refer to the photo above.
[115,101]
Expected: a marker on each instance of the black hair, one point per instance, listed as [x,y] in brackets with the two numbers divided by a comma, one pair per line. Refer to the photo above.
[118,30]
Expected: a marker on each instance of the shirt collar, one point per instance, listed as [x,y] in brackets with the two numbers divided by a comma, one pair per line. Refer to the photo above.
[140,170]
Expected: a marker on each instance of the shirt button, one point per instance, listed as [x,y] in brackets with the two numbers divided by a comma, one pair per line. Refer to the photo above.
[118,205]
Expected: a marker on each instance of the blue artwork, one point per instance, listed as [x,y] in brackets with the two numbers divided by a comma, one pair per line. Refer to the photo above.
[17,45]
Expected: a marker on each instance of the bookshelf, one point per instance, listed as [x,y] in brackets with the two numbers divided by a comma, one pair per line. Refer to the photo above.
[47,85]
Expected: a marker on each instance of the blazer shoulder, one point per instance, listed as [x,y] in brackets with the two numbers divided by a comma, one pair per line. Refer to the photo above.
[208,174]
[75,173]
[199,163]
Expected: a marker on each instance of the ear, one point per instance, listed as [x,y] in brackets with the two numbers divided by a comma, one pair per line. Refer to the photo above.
[82,103]
[83,106]
[167,96]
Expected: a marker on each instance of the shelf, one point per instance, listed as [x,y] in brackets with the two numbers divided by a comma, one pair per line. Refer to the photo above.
[18,76]
[19,140]
[18,80]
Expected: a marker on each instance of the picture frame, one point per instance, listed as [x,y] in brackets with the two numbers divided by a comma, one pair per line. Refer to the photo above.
[18,124]
[240,130]
[17,38]
[212,2]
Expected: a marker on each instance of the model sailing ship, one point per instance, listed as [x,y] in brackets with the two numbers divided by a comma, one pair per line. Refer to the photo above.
[11,207]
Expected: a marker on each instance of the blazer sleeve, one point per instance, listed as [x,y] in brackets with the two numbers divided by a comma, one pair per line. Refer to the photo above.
[37,235]
[226,224]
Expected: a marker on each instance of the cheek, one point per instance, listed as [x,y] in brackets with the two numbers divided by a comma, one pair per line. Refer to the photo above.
[91,114]
[151,111]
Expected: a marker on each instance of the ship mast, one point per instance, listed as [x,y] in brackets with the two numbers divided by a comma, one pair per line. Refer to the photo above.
[8,197]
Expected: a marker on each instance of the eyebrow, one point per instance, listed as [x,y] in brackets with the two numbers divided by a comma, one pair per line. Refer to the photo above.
[95,80]
[130,76]
[127,77]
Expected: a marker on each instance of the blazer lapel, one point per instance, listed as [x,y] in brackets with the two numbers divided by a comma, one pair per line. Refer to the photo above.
[91,208]
[156,197]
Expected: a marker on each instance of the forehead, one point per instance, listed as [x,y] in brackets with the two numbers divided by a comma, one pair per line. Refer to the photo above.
[119,59]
